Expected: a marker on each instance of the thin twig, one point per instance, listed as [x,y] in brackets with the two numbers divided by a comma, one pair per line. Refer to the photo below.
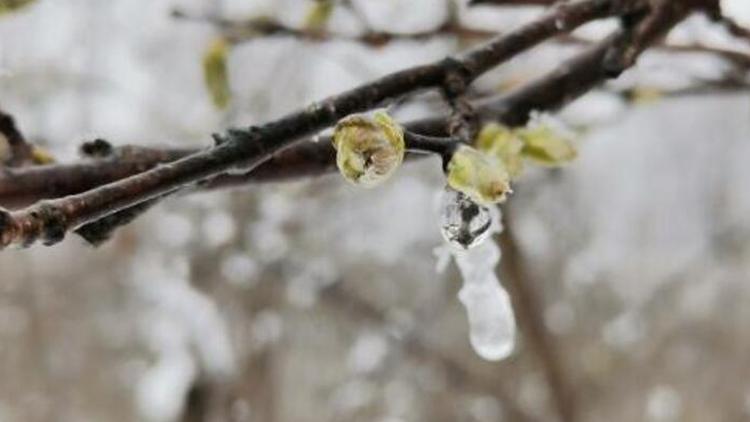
[441,146]
[20,150]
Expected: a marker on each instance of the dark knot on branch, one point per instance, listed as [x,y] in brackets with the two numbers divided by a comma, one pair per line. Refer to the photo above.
[98,148]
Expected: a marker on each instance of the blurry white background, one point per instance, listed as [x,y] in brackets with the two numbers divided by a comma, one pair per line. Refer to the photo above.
[316,301]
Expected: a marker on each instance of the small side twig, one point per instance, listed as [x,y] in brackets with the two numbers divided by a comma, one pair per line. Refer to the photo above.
[443,147]
[20,150]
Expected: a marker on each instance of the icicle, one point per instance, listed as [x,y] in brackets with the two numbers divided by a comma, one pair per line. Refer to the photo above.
[492,326]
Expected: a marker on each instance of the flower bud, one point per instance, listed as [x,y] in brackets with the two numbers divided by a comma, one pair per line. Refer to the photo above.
[546,146]
[15,5]
[5,151]
[318,15]
[502,142]
[481,176]
[215,74]
[41,156]
[368,148]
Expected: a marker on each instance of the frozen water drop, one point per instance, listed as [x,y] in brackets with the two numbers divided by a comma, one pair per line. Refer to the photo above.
[463,223]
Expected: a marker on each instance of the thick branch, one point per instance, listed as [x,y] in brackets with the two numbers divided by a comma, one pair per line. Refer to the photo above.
[246,149]
[571,79]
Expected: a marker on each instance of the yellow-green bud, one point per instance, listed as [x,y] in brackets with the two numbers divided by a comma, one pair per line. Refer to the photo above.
[481,176]
[8,6]
[318,15]
[215,72]
[5,150]
[41,156]
[503,143]
[546,146]
[368,148]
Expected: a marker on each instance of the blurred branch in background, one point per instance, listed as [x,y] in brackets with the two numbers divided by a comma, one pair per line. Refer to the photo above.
[529,306]
[238,31]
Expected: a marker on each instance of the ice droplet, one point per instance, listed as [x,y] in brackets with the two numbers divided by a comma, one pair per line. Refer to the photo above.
[492,326]
[463,223]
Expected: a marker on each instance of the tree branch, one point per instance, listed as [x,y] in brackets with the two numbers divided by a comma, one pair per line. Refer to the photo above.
[243,150]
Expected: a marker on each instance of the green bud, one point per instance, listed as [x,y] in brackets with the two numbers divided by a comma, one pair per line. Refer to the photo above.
[481,176]
[5,150]
[368,148]
[645,95]
[502,142]
[318,15]
[9,6]
[546,146]
[215,72]
[41,156]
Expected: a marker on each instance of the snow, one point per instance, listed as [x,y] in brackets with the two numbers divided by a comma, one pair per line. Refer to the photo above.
[367,353]
[739,10]
[664,404]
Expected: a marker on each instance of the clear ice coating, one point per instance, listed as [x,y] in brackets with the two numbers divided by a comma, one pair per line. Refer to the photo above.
[492,326]
[463,223]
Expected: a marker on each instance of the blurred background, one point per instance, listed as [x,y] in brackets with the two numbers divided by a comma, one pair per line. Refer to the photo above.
[316,301]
